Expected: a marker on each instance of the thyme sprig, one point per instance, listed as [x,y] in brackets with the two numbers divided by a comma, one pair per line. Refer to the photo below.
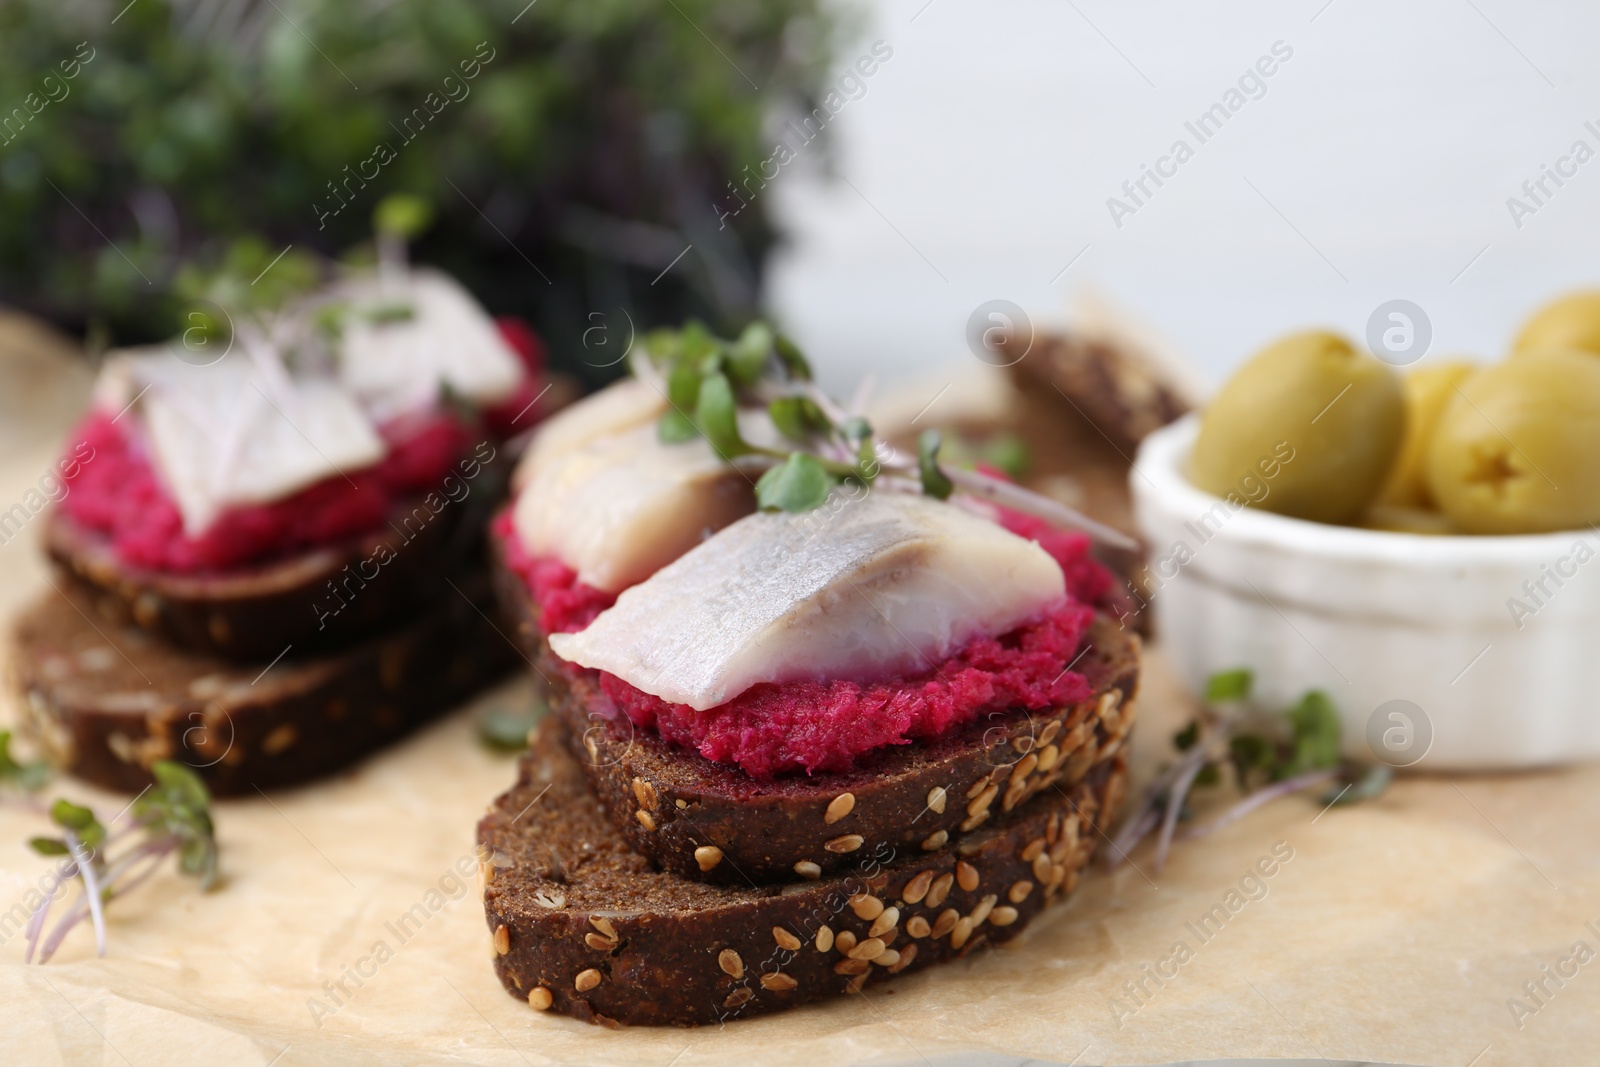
[1267,755]
[709,381]
[171,817]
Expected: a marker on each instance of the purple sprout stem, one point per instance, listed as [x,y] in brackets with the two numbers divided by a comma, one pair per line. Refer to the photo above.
[64,925]
[1009,495]
[1132,831]
[91,889]
[36,920]
[1134,828]
[1261,796]
[1175,799]
[82,908]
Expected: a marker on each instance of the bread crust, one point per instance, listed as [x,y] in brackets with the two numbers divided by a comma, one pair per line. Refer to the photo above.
[106,701]
[250,614]
[584,925]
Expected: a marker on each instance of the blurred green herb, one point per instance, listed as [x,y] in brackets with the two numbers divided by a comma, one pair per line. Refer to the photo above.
[1269,755]
[708,380]
[172,816]
[797,484]
[577,126]
[29,777]
[934,481]
[504,729]
[1005,452]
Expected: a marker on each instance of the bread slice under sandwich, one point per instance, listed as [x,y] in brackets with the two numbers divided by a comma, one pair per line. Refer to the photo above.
[584,925]
[321,598]
[107,700]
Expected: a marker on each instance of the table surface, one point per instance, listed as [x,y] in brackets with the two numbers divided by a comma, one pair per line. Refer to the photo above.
[1399,931]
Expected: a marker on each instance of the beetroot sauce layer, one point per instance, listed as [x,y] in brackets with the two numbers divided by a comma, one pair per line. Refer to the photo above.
[824,727]
[118,492]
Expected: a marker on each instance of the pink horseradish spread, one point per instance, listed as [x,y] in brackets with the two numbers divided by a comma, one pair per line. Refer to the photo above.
[834,726]
[118,493]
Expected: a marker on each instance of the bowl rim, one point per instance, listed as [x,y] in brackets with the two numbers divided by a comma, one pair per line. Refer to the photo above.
[1158,476]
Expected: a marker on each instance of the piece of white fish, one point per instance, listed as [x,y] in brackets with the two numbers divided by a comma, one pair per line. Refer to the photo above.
[861,588]
[620,406]
[238,431]
[620,507]
[438,337]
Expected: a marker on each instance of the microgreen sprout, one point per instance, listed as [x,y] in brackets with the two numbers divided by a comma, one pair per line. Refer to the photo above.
[28,777]
[709,381]
[1268,755]
[504,729]
[172,816]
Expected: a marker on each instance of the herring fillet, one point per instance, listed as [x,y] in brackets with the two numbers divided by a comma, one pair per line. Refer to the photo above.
[882,584]
[621,507]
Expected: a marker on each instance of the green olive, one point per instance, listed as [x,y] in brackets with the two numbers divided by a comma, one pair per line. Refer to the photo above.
[1330,416]
[1515,451]
[1572,322]
[1428,391]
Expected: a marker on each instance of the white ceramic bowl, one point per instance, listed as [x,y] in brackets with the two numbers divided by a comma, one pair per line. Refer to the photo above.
[1371,617]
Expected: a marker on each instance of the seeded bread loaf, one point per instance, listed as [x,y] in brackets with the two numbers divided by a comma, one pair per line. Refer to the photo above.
[317,600]
[1124,397]
[107,701]
[584,925]
[712,822]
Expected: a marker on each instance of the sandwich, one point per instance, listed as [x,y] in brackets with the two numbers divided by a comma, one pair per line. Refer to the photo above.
[269,551]
[792,720]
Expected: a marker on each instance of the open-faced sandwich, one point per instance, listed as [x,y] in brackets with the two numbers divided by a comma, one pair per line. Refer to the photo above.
[811,721]
[269,542]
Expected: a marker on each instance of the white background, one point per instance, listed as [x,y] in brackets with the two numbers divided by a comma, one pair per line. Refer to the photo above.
[980,160]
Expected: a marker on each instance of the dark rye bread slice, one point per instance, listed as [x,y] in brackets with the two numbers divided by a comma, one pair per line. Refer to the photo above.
[712,822]
[106,702]
[584,925]
[317,600]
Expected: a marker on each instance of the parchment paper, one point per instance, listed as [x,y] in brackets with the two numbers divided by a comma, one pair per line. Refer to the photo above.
[1398,930]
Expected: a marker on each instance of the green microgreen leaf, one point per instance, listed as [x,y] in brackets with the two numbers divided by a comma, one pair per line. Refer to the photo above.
[798,484]
[683,387]
[675,428]
[1371,785]
[28,777]
[384,314]
[402,216]
[1229,685]
[867,464]
[178,785]
[696,345]
[935,483]
[506,729]
[329,320]
[797,417]
[856,428]
[1315,722]
[793,362]
[70,816]
[1250,753]
[179,806]
[663,345]
[717,415]
[1185,738]
[49,846]
[1009,454]
[749,355]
